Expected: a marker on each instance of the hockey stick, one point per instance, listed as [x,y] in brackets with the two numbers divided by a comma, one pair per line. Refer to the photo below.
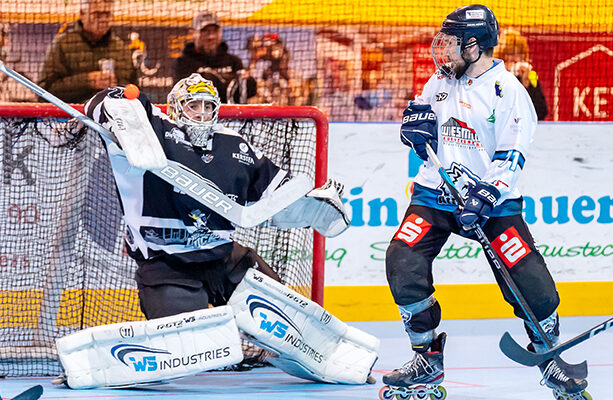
[188,181]
[32,393]
[578,371]
[522,356]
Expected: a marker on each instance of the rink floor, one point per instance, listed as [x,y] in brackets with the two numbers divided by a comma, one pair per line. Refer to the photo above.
[474,369]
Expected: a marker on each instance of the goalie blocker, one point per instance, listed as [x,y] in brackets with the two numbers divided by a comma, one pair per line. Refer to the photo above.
[308,341]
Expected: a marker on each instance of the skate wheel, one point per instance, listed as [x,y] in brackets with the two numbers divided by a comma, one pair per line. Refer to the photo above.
[402,396]
[440,393]
[386,393]
[582,396]
[576,396]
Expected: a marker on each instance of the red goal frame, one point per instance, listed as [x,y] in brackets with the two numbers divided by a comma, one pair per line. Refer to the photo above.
[45,110]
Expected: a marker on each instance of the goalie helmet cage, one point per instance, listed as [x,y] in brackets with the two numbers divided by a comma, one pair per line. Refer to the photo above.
[63,265]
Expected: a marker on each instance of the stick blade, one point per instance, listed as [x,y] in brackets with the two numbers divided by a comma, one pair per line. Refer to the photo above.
[32,393]
[517,353]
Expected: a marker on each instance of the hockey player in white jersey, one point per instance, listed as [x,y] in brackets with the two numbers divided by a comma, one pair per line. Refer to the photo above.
[188,261]
[479,120]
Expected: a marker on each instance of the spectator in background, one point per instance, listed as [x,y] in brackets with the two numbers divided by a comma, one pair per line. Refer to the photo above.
[10,90]
[208,55]
[86,56]
[269,66]
[513,50]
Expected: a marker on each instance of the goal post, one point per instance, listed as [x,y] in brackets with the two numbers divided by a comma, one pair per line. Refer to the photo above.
[63,265]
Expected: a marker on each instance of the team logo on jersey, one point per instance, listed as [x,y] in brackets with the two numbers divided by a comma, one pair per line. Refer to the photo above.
[498,89]
[510,247]
[412,229]
[202,237]
[441,96]
[463,179]
[458,133]
[178,136]
[492,118]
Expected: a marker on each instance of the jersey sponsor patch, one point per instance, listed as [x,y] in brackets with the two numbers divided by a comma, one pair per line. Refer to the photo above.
[457,133]
[413,229]
[441,96]
[510,247]
[498,89]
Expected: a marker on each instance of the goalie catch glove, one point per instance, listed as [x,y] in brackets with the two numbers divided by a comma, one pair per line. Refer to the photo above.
[321,208]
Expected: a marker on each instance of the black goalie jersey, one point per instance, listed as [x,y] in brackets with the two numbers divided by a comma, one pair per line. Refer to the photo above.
[161,218]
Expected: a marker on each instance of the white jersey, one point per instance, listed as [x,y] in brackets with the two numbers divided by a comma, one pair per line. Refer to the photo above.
[485,126]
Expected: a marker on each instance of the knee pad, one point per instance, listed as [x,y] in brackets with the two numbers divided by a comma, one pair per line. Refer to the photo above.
[407,273]
[421,319]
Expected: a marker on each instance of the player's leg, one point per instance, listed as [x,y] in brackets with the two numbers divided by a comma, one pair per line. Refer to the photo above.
[408,265]
[512,240]
[168,286]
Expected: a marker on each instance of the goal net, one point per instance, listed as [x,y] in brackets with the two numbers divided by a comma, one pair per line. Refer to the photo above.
[63,264]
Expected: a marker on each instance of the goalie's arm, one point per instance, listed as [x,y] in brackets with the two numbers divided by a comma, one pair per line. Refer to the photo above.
[321,208]
[181,177]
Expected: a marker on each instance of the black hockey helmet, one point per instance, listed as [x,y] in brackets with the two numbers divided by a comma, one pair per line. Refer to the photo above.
[473,21]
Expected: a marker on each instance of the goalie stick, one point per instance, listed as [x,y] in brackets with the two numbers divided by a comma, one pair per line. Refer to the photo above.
[578,371]
[520,355]
[188,181]
[32,393]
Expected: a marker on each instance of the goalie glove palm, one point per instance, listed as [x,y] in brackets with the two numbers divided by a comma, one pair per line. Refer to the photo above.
[419,126]
[321,208]
[332,219]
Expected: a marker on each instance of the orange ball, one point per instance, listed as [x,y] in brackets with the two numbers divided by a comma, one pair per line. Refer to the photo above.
[131,91]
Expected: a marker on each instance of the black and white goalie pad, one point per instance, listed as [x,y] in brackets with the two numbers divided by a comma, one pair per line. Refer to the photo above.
[321,208]
[145,352]
[307,341]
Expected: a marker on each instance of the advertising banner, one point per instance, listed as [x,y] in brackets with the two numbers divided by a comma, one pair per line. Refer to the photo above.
[567,204]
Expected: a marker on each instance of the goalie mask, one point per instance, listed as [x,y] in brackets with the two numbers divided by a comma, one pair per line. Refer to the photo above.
[194,103]
[463,29]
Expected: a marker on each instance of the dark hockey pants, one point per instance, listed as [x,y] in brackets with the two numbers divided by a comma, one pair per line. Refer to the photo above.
[419,240]
[167,287]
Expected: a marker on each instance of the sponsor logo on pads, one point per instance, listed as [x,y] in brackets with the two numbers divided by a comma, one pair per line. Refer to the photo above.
[274,321]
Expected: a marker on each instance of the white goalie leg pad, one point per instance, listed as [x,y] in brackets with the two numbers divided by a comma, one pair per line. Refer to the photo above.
[132,353]
[321,208]
[309,341]
[131,127]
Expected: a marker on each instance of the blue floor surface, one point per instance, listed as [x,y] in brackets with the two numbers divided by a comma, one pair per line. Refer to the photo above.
[474,369]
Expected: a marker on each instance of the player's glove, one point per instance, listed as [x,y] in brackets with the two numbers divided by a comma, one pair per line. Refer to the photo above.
[481,200]
[419,126]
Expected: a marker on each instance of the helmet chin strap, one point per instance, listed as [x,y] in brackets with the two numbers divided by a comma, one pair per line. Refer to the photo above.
[460,73]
